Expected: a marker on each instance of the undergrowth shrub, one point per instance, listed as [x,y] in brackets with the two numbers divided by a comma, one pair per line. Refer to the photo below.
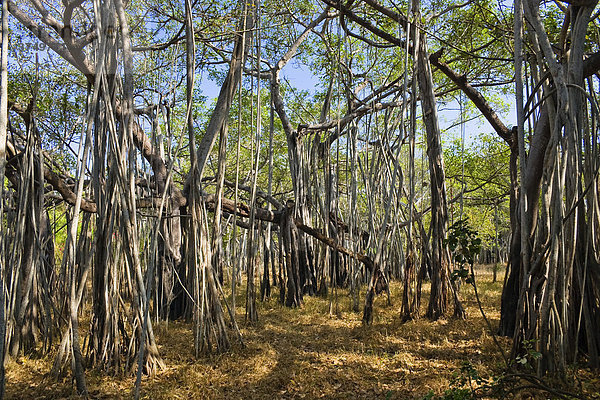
[466,384]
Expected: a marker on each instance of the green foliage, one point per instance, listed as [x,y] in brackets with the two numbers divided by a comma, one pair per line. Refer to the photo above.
[476,29]
[451,394]
[59,223]
[529,356]
[466,384]
[464,244]
[482,170]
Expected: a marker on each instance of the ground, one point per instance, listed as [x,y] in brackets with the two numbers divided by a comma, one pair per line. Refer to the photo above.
[307,353]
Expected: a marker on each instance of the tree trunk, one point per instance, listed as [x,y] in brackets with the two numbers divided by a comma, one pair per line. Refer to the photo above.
[439,210]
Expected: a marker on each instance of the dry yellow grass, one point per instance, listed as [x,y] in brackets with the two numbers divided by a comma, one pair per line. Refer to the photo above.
[303,353]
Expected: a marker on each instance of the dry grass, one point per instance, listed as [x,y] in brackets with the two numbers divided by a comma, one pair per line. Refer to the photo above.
[303,353]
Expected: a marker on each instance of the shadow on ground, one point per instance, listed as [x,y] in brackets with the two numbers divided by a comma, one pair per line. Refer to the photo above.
[301,353]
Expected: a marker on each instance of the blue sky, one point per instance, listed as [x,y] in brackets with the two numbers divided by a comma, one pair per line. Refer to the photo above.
[301,78]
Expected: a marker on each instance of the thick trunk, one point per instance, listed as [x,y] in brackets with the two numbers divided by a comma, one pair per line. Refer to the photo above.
[294,293]
[30,255]
[510,292]
[439,211]
[3,136]
[544,264]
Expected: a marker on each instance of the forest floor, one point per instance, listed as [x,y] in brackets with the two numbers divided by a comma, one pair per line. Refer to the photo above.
[309,353]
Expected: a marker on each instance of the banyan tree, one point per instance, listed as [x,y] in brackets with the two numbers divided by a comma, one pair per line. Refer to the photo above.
[131,200]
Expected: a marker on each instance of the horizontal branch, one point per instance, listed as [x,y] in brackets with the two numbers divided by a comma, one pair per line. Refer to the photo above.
[67,194]
[317,234]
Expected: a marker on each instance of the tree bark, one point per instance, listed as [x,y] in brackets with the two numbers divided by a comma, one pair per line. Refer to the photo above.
[439,211]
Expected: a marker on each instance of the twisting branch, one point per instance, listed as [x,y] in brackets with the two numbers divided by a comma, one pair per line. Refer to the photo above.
[460,80]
